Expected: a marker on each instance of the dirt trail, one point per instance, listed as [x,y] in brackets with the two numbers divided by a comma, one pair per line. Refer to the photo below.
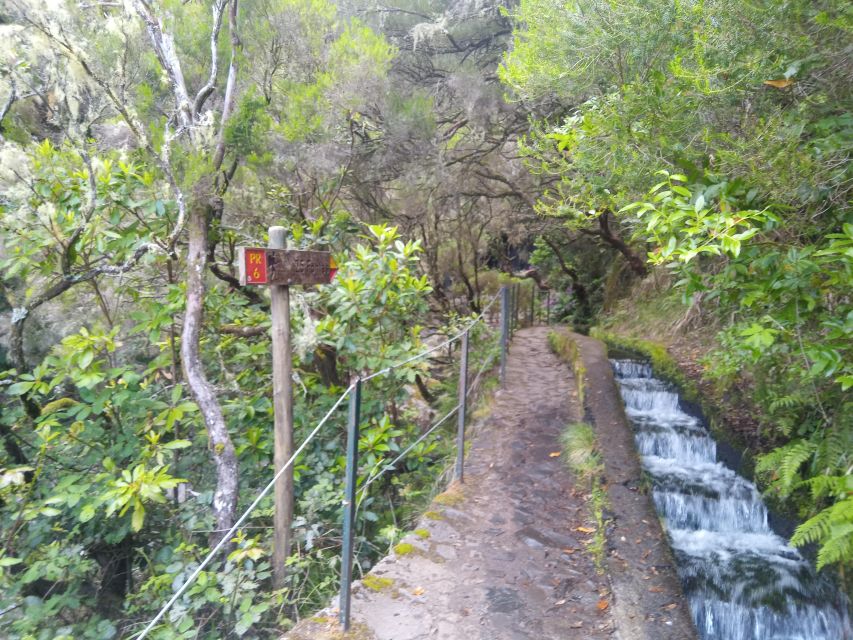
[504,558]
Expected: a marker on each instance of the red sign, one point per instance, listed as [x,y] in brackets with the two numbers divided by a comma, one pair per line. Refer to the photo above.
[254,265]
[285,266]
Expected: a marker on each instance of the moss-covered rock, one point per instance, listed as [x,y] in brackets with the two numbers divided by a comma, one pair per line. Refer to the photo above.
[404,548]
[377,583]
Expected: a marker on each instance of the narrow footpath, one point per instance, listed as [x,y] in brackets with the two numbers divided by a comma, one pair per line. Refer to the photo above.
[502,556]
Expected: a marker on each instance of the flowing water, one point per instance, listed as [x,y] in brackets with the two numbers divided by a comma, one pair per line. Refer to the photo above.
[743,581]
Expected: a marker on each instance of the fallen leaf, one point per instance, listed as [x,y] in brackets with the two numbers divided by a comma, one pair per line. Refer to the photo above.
[576,625]
[585,529]
[656,589]
[559,602]
[419,591]
[555,454]
[670,607]
[569,551]
[602,605]
[779,84]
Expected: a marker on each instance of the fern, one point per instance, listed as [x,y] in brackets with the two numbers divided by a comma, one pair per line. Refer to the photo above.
[814,529]
[839,548]
[835,449]
[832,529]
[784,402]
[784,464]
[822,486]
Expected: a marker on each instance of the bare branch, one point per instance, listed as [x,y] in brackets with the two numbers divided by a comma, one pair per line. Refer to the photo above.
[243,331]
[205,92]
[164,48]
[13,95]
[231,84]
[91,204]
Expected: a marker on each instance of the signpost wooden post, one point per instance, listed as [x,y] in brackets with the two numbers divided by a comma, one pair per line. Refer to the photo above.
[280,268]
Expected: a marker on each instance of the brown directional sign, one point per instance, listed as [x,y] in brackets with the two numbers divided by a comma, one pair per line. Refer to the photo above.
[259,265]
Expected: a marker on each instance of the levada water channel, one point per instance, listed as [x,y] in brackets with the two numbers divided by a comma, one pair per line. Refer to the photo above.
[743,581]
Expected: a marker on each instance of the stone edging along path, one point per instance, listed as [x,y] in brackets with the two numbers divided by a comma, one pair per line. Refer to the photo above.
[503,556]
[648,599]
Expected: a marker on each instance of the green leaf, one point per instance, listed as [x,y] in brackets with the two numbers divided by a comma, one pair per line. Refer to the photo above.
[138,517]
[20,388]
[87,513]
[177,444]
[86,359]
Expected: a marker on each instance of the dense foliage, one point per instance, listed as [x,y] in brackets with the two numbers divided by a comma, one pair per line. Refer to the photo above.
[740,115]
[141,144]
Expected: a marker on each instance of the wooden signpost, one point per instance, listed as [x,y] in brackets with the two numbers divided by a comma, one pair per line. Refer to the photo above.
[280,268]
[284,267]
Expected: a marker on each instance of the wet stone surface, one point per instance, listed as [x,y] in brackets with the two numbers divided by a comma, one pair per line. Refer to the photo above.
[505,562]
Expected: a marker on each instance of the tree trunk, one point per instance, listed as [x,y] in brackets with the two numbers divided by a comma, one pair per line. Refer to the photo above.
[578,289]
[221,447]
[637,264]
[326,359]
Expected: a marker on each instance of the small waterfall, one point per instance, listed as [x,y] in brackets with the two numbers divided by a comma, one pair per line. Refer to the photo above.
[743,581]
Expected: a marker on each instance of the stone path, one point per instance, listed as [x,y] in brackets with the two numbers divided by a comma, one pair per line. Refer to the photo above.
[503,559]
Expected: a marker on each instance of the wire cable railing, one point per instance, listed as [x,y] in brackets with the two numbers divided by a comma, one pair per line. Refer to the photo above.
[230,533]
[508,322]
[435,348]
[391,465]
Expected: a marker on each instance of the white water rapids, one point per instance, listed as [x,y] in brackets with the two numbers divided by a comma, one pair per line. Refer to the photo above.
[743,581]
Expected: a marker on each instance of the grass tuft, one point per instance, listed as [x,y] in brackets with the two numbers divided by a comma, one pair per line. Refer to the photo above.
[583,458]
[581,451]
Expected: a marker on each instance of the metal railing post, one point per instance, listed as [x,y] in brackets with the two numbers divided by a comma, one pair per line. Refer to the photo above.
[548,308]
[504,329]
[511,310]
[515,307]
[531,319]
[460,412]
[349,503]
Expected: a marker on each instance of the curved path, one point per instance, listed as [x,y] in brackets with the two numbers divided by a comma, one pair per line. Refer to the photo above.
[505,557]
